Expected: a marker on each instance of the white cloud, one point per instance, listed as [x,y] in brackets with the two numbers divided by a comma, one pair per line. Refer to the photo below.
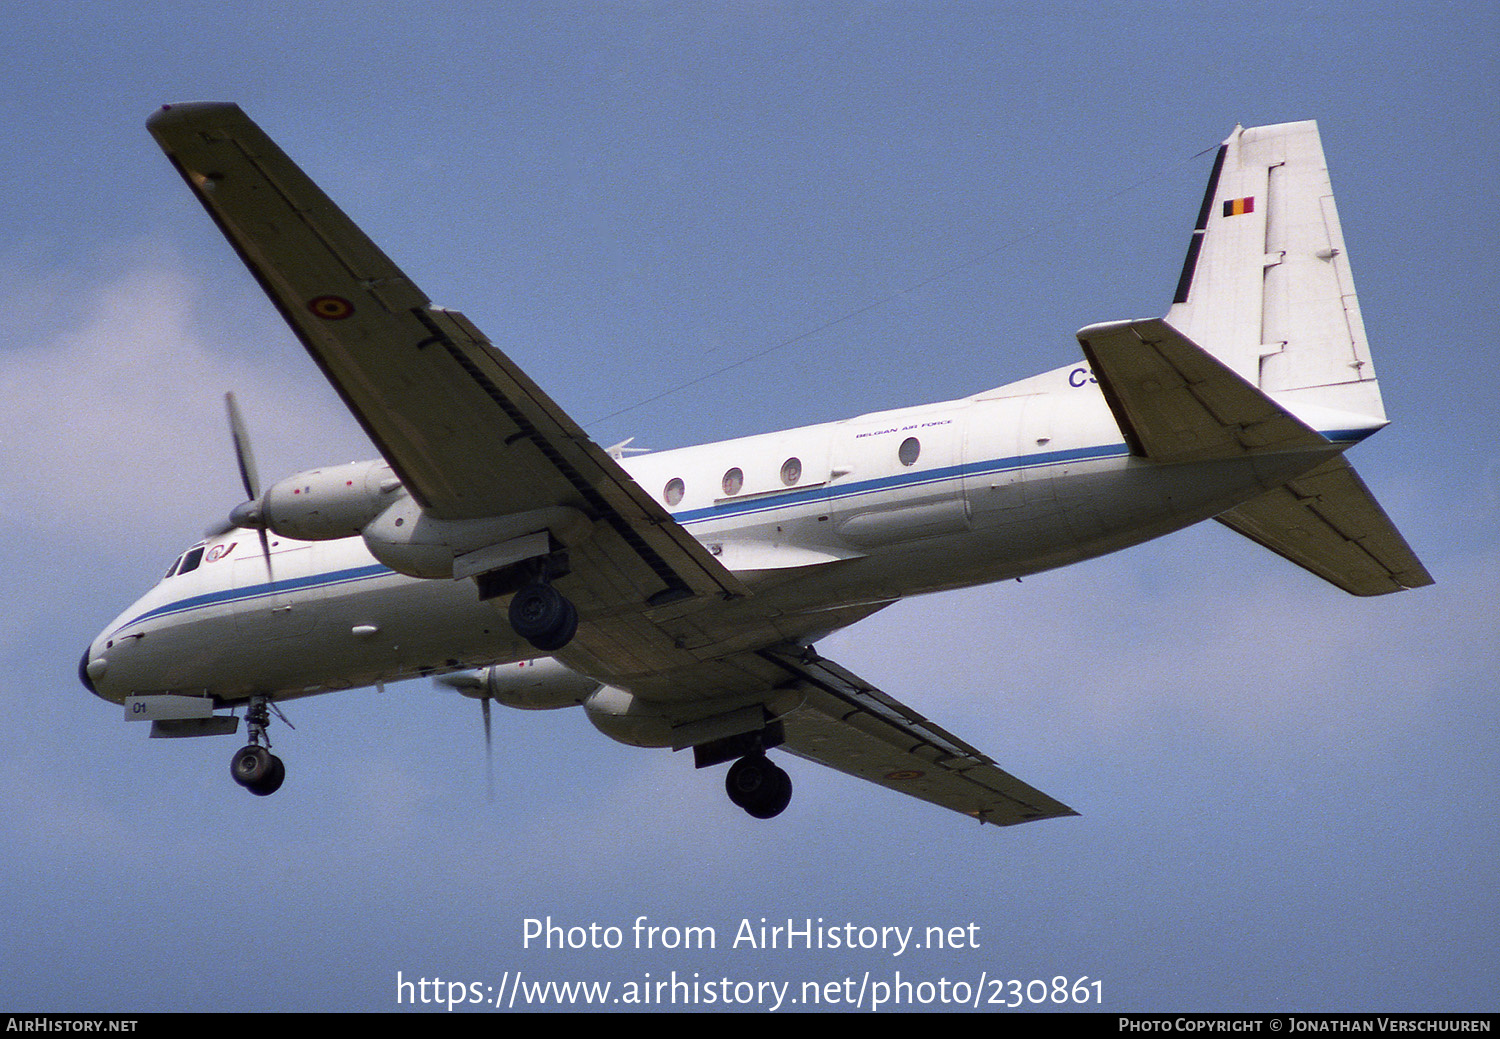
[114,417]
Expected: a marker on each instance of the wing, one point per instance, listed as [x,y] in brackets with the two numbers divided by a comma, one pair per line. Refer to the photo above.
[468,433]
[833,717]
[849,725]
[471,436]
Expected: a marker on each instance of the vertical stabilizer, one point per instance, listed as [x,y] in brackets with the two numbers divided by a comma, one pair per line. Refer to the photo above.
[1266,286]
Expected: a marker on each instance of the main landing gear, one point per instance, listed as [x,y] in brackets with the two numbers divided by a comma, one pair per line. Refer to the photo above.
[543,616]
[539,613]
[753,783]
[759,787]
[253,766]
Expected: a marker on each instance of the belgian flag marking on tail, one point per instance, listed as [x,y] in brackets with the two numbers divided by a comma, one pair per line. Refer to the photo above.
[1239,206]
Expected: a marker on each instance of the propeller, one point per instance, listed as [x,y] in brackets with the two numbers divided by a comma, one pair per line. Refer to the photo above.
[472,683]
[248,513]
[489,750]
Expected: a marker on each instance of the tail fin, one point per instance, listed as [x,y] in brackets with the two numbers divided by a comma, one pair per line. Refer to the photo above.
[1266,286]
[1266,293]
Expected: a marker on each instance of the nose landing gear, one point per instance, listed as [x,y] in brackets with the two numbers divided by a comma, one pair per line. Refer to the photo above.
[253,766]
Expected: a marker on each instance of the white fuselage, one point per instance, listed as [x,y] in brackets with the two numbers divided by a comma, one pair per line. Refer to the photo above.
[1009,482]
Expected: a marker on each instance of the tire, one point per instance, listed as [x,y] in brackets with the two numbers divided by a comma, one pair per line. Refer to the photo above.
[746,779]
[543,616]
[271,781]
[564,633]
[774,797]
[762,789]
[250,765]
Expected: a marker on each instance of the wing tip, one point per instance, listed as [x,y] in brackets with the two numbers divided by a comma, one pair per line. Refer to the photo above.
[989,816]
[178,113]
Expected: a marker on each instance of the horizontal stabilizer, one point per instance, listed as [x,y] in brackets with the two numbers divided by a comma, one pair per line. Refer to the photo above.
[1175,402]
[1329,523]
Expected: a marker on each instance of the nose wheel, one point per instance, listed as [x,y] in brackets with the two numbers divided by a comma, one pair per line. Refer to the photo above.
[257,770]
[759,787]
[253,766]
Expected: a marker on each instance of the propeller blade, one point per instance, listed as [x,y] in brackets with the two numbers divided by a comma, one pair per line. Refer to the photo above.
[265,552]
[249,478]
[247,514]
[489,750]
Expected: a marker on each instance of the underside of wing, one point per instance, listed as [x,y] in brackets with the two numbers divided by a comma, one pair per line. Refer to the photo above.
[467,432]
[849,725]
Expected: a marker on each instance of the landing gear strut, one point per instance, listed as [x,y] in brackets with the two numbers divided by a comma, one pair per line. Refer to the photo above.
[253,766]
[758,786]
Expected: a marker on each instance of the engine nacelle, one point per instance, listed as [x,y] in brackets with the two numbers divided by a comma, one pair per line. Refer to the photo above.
[626,718]
[325,504]
[543,684]
[409,541]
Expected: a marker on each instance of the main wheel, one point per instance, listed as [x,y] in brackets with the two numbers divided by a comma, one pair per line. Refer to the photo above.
[543,616]
[774,798]
[759,787]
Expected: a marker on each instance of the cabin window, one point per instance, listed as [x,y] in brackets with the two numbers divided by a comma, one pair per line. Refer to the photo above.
[734,480]
[911,447]
[791,471]
[675,490]
[191,560]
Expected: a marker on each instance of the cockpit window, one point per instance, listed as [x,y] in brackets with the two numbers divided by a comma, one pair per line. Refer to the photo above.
[173,568]
[191,560]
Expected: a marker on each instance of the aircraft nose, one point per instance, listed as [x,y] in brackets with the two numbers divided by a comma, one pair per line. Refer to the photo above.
[83,672]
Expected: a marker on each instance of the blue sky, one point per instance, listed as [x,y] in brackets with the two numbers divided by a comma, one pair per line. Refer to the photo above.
[1286,793]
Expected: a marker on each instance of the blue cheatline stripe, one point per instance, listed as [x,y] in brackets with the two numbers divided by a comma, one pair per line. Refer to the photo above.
[919,478]
[1347,436]
[752,505]
[260,591]
[748,506]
